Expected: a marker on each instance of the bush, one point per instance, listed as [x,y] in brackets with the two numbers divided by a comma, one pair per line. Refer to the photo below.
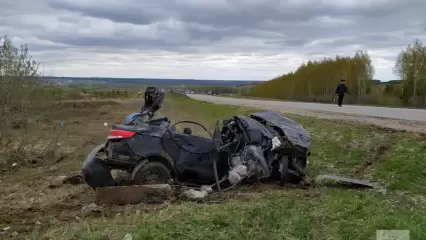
[23,97]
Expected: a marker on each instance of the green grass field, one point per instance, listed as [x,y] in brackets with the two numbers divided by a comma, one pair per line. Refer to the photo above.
[394,160]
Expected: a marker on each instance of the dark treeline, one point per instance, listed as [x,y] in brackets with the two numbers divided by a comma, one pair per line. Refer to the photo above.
[317,80]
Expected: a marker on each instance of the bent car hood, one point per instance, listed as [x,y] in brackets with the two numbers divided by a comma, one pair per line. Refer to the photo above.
[293,130]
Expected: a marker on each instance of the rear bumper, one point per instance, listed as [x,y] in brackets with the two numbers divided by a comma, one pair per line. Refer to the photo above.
[96,172]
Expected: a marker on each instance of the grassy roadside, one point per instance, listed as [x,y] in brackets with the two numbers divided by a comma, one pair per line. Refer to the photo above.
[393,159]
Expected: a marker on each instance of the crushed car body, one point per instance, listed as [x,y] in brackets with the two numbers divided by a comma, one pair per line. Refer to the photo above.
[262,146]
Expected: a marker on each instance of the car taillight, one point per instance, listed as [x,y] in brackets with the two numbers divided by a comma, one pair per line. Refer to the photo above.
[120,134]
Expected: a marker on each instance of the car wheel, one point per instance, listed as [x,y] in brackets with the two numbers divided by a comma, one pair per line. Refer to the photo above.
[283,170]
[303,162]
[151,173]
[298,166]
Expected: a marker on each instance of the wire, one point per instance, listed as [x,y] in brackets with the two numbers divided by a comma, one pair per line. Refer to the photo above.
[168,130]
[134,118]
[228,188]
[216,176]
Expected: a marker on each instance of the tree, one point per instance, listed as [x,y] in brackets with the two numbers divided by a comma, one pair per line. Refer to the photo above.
[410,66]
[18,80]
[24,99]
[316,80]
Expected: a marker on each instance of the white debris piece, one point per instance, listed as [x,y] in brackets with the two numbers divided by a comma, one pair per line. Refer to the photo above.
[233,177]
[237,173]
[91,208]
[207,189]
[128,237]
[236,160]
[194,194]
[241,170]
[61,178]
[275,143]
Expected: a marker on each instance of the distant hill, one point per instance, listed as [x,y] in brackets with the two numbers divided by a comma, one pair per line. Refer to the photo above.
[375,81]
[149,81]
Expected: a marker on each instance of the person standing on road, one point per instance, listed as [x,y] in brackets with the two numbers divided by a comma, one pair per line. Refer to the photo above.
[341,90]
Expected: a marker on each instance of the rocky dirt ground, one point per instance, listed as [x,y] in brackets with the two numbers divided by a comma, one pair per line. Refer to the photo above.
[34,195]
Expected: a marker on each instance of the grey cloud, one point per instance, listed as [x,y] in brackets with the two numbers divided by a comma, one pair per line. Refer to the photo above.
[374,41]
[115,42]
[286,25]
[219,26]
[135,12]
[240,13]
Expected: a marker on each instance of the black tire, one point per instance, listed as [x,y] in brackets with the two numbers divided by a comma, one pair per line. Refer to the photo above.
[283,170]
[144,174]
[301,164]
[304,161]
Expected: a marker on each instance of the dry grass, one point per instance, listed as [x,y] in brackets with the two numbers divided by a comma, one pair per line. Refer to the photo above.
[28,187]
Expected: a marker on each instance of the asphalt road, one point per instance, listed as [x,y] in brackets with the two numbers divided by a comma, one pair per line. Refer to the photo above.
[381,112]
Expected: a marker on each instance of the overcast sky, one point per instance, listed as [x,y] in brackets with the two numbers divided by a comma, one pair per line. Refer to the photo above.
[208,39]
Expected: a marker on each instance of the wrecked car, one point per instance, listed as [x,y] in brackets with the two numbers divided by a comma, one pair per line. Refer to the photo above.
[262,146]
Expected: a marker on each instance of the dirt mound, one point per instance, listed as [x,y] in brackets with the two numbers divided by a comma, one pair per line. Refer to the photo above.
[85,104]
